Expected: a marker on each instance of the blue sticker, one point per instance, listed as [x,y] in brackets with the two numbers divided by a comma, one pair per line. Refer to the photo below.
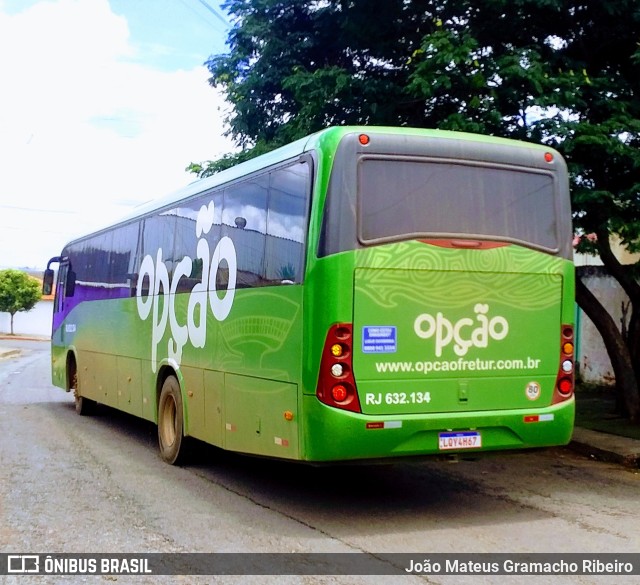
[379,339]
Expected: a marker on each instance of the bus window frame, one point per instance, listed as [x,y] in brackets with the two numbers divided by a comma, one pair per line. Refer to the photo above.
[307,158]
[455,235]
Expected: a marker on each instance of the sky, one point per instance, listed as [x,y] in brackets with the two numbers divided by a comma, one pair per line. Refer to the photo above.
[103,103]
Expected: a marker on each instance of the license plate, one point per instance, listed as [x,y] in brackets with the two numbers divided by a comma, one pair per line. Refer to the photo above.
[459,440]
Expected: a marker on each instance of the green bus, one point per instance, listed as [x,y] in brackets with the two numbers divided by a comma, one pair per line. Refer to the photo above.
[364,293]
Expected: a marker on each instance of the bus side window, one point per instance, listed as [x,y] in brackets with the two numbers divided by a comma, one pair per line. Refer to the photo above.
[123,259]
[187,236]
[157,233]
[60,287]
[244,220]
[287,223]
[70,284]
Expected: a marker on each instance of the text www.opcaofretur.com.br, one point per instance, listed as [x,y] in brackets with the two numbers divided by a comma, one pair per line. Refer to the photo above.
[459,365]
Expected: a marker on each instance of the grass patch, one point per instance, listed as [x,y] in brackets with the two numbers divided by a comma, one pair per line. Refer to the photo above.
[596,410]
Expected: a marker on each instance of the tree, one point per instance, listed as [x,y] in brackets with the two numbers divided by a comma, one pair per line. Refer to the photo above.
[564,73]
[561,72]
[297,66]
[18,292]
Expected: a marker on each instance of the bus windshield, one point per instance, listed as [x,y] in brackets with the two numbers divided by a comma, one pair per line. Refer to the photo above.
[401,199]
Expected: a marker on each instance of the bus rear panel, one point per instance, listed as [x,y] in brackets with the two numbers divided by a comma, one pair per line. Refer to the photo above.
[454,330]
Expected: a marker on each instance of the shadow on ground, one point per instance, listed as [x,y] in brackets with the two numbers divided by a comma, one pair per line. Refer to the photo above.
[596,410]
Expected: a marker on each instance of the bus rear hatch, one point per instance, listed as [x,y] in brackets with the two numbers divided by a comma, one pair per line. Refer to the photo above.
[433,339]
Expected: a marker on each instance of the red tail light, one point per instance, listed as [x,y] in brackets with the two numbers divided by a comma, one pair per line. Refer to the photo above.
[565,381]
[336,384]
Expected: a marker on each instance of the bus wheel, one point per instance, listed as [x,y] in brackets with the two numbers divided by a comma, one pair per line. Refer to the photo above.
[171,438]
[84,406]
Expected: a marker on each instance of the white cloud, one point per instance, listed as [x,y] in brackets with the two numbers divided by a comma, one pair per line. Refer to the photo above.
[85,129]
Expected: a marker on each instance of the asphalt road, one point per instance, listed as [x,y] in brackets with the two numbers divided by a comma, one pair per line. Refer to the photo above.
[96,484]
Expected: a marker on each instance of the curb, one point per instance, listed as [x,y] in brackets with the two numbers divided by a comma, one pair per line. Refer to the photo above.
[20,337]
[604,447]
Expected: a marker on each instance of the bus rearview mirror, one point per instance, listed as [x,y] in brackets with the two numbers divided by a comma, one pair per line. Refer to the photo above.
[47,282]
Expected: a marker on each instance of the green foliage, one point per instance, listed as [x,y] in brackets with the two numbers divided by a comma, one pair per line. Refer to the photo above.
[208,168]
[561,72]
[497,66]
[18,292]
[297,66]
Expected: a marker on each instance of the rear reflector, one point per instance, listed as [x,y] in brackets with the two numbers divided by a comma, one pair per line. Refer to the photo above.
[534,418]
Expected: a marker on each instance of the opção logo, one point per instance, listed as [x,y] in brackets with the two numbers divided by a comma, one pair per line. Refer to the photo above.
[465,332]
[202,294]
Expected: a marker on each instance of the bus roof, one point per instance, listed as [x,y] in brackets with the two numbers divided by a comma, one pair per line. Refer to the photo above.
[327,137]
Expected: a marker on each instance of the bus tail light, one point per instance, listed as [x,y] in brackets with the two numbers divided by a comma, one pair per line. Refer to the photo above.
[565,381]
[336,383]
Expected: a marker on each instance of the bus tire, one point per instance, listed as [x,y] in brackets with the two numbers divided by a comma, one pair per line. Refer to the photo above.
[171,439]
[84,406]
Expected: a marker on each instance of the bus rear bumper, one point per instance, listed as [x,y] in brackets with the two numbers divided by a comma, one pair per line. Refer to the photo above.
[330,434]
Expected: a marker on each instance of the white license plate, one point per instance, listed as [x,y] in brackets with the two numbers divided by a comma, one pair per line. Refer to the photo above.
[459,440]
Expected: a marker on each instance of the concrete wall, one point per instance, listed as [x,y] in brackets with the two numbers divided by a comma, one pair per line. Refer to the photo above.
[594,364]
[36,322]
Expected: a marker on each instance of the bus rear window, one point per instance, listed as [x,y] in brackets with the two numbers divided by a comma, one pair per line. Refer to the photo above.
[400,199]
